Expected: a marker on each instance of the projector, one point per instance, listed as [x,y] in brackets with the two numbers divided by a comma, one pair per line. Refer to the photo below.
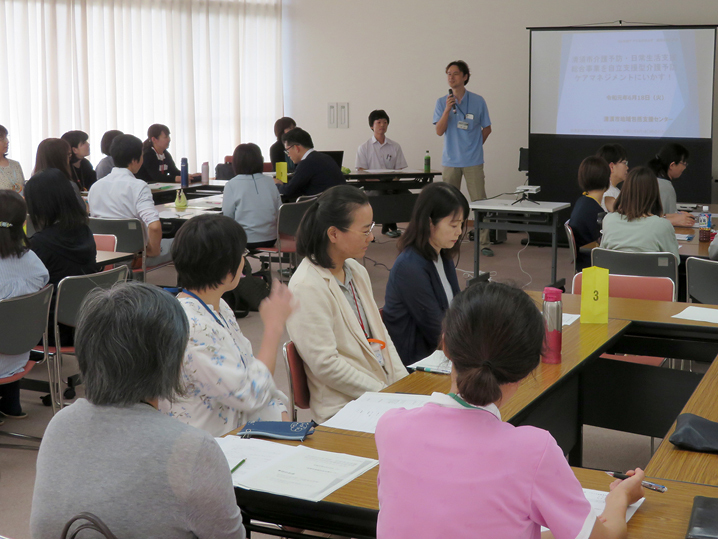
[530,189]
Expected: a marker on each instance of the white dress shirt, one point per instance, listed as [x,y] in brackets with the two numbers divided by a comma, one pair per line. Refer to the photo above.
[373,155]
[120,195]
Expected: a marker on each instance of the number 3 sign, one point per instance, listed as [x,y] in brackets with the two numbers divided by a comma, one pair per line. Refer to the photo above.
[594,296]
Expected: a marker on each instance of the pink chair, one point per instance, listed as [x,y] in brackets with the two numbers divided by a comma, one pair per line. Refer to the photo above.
[298,387]
[635,287]
[106,242]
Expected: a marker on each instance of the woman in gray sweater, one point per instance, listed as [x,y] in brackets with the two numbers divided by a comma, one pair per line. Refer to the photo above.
[144,474]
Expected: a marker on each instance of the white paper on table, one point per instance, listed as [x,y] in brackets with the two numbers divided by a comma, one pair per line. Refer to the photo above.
[259,455]
[308,474]
[363,414]
[436,363]
[684,237]
[698,314]
[383,170]
[568,319]
[170,214]
[597,499]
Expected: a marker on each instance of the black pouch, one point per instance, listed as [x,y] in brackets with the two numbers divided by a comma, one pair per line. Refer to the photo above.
[704,519]
[695,433]
[224,171]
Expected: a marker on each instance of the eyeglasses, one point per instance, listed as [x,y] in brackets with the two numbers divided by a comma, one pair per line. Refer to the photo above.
[624,162]
[246,253]
[286,150]
[365,234]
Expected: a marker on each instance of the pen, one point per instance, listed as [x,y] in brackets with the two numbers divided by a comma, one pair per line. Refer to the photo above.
[428,369]
[244,460]
[644,484]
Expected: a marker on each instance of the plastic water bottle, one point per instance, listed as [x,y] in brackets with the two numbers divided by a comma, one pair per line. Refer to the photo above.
[205,173]
[184,173]
[427,162]
[704,219]
[553,319]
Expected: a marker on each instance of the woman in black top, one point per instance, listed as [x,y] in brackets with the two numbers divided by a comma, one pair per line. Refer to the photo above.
[276,151]
[594,176]
[62,239]
[80,167]
[158,165]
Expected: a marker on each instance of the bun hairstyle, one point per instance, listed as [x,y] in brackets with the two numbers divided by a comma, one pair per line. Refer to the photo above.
[493,334]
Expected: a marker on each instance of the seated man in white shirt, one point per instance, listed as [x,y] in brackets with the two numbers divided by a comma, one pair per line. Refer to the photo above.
[381,152]
[120,195]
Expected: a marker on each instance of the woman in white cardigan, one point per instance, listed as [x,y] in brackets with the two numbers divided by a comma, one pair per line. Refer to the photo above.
[338,330]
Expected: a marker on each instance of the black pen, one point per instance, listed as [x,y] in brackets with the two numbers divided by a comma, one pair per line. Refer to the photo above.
[644,484]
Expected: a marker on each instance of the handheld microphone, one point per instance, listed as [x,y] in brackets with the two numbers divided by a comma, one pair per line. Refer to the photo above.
[451,93]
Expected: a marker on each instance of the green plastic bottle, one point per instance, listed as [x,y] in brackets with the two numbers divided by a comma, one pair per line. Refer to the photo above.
[427,162]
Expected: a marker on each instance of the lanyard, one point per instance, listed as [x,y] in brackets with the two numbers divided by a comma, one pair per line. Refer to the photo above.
[361,322]
[467,106]
[210,311]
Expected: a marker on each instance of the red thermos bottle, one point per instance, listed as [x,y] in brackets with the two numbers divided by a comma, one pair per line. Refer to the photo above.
[553,319]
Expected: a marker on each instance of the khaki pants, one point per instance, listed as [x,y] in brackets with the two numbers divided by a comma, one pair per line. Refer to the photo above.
[475,181]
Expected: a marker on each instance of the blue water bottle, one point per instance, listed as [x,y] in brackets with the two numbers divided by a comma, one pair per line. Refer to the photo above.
[184,173]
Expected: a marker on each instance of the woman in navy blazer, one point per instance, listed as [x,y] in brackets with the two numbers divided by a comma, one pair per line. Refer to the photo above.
[423,281]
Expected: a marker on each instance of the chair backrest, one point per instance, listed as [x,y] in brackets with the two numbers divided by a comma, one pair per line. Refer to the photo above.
[642,264]
[267,167]
[71,292]
[393,208]
[105,242]
[298,387]
[571,243]
[701,280]
[290,215]
[24,321]
[634,287]
[129,233]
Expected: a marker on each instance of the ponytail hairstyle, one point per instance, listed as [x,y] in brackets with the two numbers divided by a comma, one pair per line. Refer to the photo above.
[670,153]
[493,334]
[13,213]
[436,201]
[154,131]
[335,207]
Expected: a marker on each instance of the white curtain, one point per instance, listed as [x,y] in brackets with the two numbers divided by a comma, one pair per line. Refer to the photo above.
[208,69]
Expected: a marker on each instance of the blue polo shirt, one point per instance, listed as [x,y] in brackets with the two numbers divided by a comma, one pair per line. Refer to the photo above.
[464,147]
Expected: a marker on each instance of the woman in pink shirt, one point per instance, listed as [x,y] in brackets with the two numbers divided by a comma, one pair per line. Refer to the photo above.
[453,468]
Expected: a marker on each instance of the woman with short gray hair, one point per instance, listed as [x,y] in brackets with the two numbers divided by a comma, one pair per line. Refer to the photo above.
[112,453]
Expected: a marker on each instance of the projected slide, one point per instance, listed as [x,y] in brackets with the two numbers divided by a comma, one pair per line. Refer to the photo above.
[630,83]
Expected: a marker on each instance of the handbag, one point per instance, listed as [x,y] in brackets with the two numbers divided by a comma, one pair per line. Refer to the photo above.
[93,523]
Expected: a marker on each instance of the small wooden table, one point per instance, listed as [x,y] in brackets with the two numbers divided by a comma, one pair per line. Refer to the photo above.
[113,257]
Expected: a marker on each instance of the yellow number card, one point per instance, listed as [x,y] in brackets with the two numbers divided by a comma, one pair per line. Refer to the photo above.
[594,296]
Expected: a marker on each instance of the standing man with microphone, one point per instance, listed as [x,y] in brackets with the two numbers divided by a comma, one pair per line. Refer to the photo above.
[463,119]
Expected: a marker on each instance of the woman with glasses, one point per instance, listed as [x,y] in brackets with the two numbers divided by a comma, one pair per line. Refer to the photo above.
[668,165]
[423,280]
[338,331]
[227,385]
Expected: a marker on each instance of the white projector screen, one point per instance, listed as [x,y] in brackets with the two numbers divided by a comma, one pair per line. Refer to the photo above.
[626,83]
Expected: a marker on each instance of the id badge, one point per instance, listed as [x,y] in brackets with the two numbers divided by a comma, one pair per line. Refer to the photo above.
[376,348]
[469,116]
[463,125]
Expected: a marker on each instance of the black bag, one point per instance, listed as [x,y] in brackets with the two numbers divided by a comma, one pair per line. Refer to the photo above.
[695,433]
[249,293]
[224,171]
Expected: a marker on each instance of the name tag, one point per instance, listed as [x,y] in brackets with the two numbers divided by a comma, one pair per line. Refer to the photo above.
[469,116]
[463,125]
[376,348]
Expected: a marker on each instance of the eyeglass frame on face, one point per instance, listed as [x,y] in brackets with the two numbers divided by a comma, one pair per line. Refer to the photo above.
[365,234]
[286,150]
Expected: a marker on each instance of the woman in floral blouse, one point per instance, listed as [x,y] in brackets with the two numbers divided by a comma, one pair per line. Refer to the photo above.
[227,385]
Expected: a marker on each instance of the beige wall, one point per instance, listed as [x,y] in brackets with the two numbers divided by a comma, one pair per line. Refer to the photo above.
[392,54]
